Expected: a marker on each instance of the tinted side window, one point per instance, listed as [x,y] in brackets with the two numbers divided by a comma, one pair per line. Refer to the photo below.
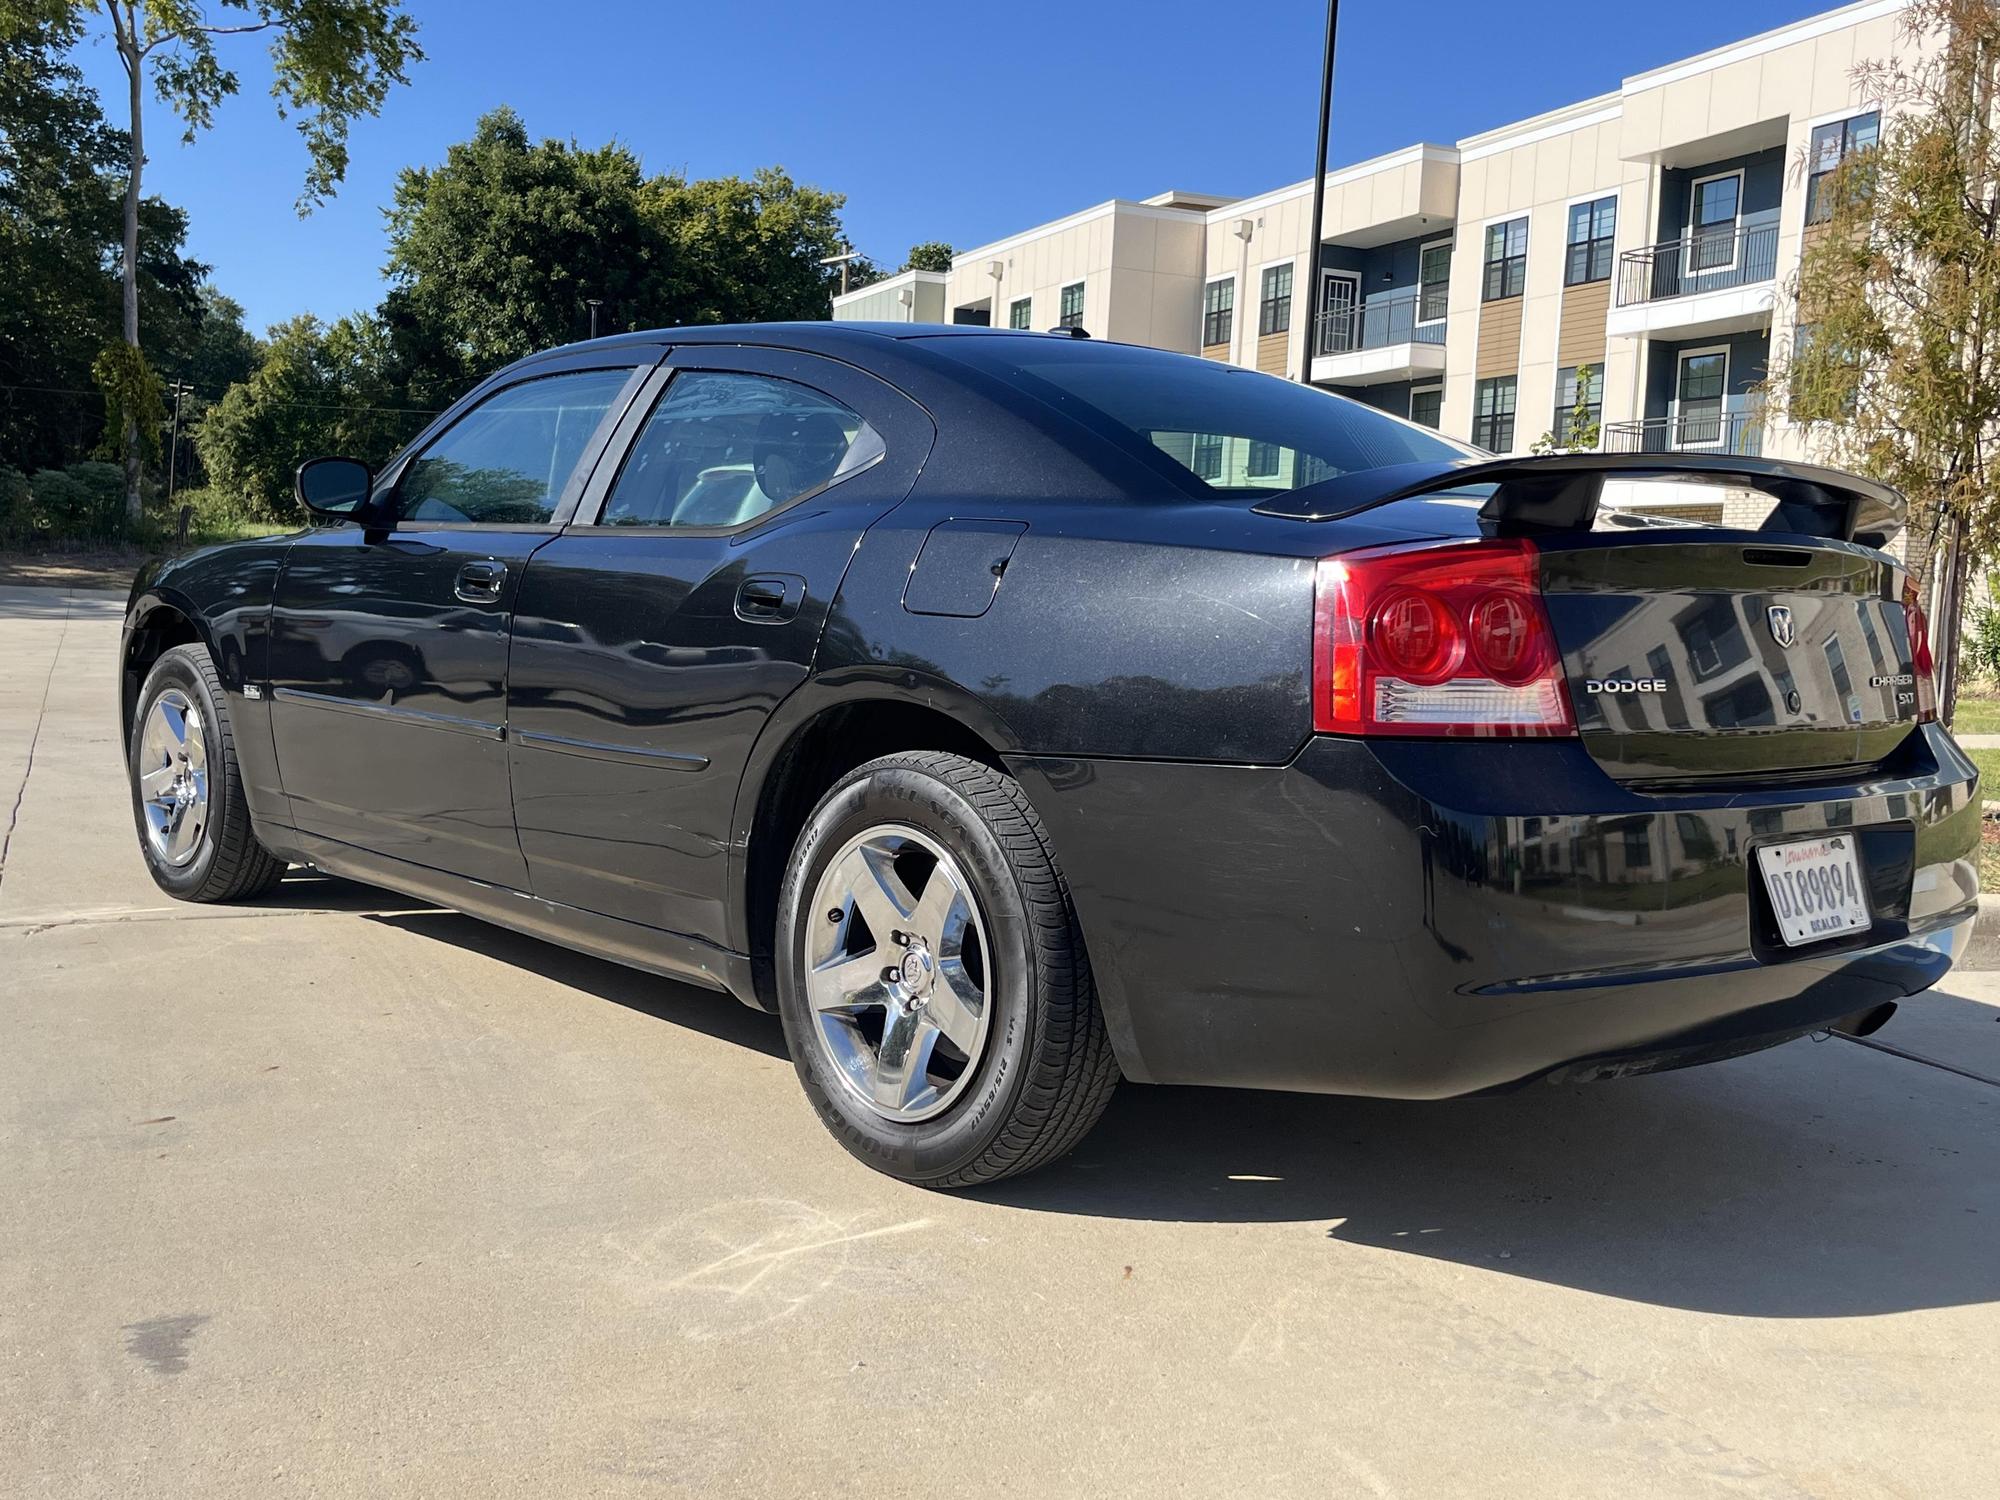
[722,448]
[506,461]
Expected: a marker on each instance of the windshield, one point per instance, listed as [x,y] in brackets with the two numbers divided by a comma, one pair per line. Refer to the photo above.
[1235,431]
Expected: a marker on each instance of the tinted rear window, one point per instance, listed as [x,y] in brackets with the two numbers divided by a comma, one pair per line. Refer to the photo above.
[1235,431]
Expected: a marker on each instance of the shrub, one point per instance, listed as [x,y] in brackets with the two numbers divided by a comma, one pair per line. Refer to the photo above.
[16,508]
[1979,650]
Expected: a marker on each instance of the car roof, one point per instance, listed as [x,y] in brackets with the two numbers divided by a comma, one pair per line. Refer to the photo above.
[813,335]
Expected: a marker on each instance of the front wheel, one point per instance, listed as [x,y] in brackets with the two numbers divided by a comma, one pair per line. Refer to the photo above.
[936,996]
[187,790]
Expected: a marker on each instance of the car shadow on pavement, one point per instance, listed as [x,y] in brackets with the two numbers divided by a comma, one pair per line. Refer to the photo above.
[1811,1181]
[707,1011]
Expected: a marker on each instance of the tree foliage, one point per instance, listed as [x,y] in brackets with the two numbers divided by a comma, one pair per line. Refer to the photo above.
[317,389]
[331,60]
[61,182]
[1582,431]
[931,255]
[1894,367]
[496,252]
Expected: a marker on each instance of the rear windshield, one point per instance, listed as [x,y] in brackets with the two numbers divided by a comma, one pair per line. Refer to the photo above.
[1234,431]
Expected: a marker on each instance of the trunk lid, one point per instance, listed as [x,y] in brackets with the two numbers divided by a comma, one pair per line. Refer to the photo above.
[1693,656]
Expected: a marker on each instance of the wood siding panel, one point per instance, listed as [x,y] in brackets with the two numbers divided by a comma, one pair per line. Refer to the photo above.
[1580,339]
[1215,351]
[1499,338]
[1272,350]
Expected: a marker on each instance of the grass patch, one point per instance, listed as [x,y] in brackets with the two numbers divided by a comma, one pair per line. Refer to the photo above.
[1978,710]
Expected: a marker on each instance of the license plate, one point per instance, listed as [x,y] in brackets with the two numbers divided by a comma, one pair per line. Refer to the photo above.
[1815,888]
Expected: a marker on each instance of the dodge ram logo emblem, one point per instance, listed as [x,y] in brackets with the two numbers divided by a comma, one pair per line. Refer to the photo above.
[1780,616]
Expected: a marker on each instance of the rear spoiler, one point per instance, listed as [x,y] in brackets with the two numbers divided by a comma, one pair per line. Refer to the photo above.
[1561,492]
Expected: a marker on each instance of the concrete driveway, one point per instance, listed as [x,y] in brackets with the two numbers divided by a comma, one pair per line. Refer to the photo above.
[341,1195]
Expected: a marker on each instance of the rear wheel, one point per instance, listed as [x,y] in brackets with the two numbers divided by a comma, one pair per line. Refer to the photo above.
[187,790]
[935,992]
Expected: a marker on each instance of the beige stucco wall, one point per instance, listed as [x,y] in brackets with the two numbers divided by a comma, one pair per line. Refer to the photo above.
[1536,169]
[1407,193]
[1140,267]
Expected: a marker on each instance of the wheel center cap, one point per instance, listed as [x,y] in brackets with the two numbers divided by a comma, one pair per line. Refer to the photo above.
[916,971]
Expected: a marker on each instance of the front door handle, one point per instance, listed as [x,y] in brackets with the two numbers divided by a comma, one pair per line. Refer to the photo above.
[770,598]
[481,582]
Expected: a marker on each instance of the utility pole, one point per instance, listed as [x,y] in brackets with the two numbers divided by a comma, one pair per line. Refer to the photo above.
[180,388]
[593,303]
[1319,193]
[846,258]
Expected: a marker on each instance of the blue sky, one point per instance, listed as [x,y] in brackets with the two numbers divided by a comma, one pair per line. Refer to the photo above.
[938,120]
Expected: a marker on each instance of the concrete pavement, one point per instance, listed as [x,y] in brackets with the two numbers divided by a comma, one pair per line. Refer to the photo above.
[341,1195]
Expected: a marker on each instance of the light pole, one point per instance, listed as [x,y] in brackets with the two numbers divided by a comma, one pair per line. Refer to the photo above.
[1319,193]
[180,388]
[593,303]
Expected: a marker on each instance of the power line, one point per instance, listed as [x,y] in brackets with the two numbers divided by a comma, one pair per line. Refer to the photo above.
[414,411]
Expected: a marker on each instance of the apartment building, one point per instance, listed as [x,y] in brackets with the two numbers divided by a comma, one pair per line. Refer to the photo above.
[1634,244]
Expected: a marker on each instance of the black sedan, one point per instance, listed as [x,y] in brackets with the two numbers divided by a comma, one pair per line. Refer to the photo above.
[1014,713]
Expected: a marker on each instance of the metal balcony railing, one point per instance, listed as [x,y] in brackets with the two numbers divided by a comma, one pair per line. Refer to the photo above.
[1707,260]
[1702,431]
[1377,324]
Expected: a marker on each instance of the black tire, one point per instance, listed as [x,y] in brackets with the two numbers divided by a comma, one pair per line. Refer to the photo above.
[228,863]
[1046,1070]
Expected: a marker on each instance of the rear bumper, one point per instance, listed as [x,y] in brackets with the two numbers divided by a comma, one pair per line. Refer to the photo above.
[1423,919]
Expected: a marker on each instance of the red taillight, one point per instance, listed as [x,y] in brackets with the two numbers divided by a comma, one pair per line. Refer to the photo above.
[1450,640]
[1920,650]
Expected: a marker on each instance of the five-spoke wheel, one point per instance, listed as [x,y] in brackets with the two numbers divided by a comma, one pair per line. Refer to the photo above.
[897,972]
[172,768]
[931,974]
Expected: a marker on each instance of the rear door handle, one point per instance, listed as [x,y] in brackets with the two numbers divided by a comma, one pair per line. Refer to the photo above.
[770,598]
[481,582]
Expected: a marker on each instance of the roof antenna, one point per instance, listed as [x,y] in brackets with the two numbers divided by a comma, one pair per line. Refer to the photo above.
[1077,332]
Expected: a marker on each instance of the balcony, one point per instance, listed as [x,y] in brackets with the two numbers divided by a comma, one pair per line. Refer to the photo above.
[1739,433]
[1391,338]
[1717,280]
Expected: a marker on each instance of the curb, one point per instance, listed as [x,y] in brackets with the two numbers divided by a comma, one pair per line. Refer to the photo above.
[1982,949]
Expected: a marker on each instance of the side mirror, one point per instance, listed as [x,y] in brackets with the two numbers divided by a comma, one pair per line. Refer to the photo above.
[334,487]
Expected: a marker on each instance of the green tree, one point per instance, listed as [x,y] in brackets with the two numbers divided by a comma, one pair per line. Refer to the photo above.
[61,182]
[318,388]
[1894,367]
[750,248]
[497,251]
[332,60]
[931,255]
[1582,431]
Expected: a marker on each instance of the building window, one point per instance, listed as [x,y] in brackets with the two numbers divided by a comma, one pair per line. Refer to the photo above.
[1274,307]
[1493,414]
[1021,313]
[1506,260]
[1263,462]
[1699,398]
[1716,205]
[1072,306]
[1427,405]
[1433,281]
[1207,455]
[1218,313]
[1591,227]
[1832,145]
[1566,399]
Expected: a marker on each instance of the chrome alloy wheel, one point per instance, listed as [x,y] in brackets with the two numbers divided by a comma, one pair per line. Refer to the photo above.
[173,778]
[897,974]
